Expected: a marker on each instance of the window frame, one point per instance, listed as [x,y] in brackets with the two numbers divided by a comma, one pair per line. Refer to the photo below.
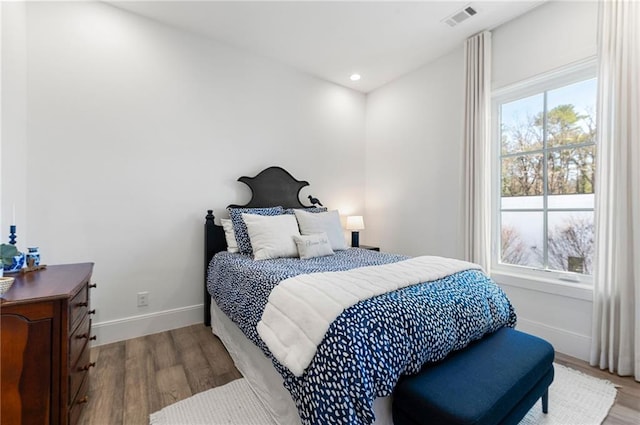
[525,276]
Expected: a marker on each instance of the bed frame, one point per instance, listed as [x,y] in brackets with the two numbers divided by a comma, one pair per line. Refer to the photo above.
[273,186]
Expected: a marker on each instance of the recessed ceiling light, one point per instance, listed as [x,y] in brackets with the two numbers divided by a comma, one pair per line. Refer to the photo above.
[355,77]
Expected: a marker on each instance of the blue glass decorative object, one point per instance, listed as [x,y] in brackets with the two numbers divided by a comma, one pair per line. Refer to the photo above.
[33,254]
[12,234]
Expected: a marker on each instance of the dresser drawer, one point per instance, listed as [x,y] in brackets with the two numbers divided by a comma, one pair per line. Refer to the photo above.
[78,340]
[79,306]
[78,403]
[79,371]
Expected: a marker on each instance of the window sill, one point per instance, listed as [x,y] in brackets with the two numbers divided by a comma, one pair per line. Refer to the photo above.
[541,284]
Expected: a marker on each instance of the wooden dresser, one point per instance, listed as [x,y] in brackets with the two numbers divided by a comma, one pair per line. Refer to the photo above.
[45,325]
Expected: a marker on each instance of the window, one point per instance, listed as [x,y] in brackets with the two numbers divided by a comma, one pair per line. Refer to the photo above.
[545,146]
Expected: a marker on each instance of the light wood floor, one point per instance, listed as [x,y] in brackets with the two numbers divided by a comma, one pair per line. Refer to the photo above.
[139,376]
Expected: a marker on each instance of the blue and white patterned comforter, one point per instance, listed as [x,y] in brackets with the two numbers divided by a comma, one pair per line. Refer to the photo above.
[370,344]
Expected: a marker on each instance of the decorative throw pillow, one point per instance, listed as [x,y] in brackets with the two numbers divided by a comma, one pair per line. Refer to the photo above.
[229,235]
[310,246]
[327,222]
[272,237]
[311,210]
[240,228]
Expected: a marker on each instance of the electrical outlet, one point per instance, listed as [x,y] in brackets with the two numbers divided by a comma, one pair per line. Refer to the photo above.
[143,299]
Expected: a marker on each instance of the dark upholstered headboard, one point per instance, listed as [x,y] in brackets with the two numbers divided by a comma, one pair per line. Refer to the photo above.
[273,186]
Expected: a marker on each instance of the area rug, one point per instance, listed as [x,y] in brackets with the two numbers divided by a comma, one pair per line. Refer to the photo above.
[574,398]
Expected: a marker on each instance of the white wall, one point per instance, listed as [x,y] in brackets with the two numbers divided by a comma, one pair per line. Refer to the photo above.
[414,161]
[551,36]
[13,133]
[135,129]
[548,37]
[414,158]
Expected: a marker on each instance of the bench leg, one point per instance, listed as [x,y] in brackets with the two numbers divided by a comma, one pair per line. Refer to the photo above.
[545,402]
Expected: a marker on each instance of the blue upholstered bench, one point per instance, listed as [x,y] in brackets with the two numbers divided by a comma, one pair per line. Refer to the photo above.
[493,381]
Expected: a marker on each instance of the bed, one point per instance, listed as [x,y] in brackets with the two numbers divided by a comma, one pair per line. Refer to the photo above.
[357,362]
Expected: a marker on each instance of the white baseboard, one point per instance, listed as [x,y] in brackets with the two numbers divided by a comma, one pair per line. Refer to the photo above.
[564,341]
[146,324]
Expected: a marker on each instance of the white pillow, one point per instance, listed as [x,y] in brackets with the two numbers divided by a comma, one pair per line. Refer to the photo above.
[229,235]
[272,236]
[327,222]
[310,246]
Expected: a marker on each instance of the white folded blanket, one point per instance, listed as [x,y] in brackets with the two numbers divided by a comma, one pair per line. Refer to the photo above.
[301,309]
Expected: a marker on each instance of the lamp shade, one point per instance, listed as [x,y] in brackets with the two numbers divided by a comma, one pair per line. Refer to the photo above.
[355,222]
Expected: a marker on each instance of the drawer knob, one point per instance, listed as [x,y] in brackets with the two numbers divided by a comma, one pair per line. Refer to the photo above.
[92,311]
[86,335]
[93,285]
[87,366]
[84,304]
[83,400]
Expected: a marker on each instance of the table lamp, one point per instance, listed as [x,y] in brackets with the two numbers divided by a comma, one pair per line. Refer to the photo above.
[355,223]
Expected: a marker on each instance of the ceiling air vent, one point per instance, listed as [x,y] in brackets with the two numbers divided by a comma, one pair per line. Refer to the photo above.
[460,16]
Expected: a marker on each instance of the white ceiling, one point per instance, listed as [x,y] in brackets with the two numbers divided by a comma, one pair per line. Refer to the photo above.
[334,39]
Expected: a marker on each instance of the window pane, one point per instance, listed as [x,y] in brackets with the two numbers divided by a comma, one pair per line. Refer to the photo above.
[522,175]
[571,170]
[521,238]
[571,201]
[522,203]
[518,129]
[571,115]
[571,241]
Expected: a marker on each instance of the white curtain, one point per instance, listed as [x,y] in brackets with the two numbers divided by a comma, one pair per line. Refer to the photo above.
[477,204]
[616,318]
